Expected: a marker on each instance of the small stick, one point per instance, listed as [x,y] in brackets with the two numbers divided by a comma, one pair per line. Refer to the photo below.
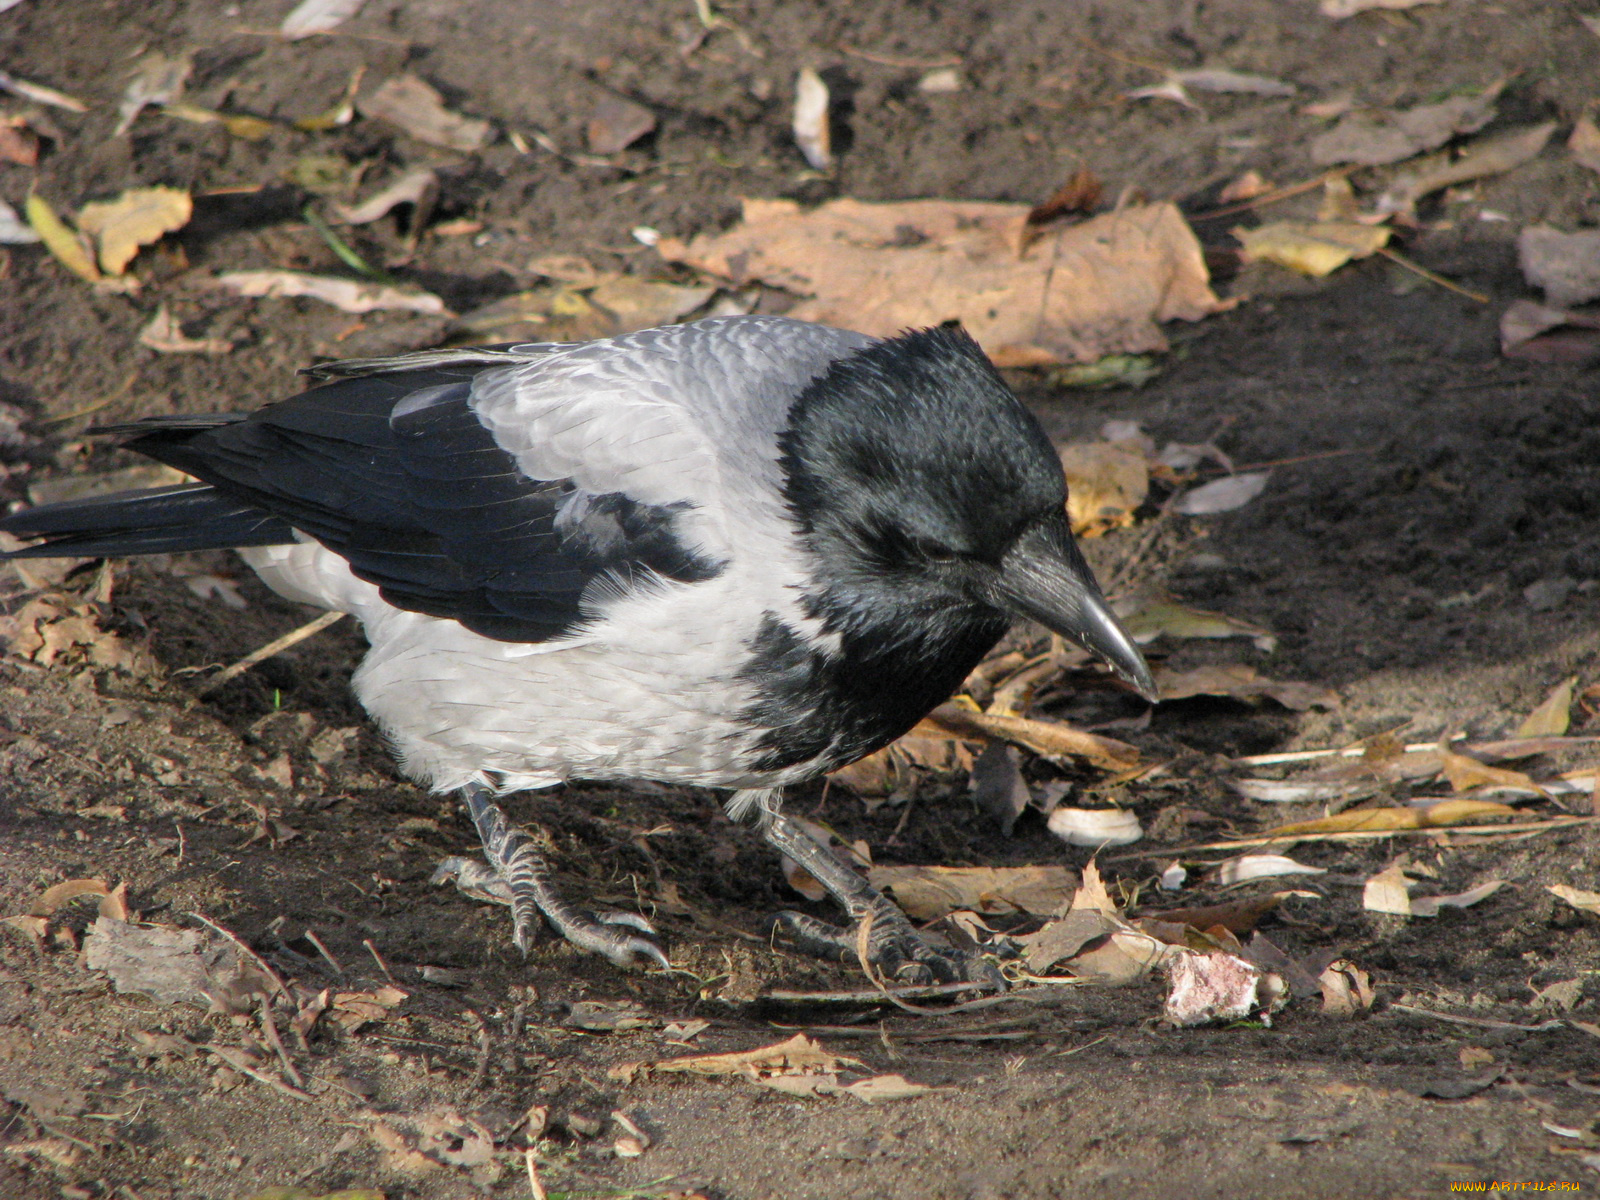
[270,1028]
[534,1185]
[277,646]
[480,1069]
[1479,1022]
[1359,835]
[311,936]
[1395,256]
[378,958]
[283,989]
[236,1060]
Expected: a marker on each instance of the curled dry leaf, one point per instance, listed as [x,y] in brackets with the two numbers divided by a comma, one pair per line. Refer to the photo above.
[1488,156]
[927,893]
[1081,291]
[348,294]
[1372,138]
[136,218]
[811,131]
[1240,682]
[1261,866]
[417,108]
[1468,774]
[163,333]
[1588,901]
[1346,989]
[61,239]
[1106,482]
[417,188]
[1051,739]
[1314,248]
[317,16]
[1095,826]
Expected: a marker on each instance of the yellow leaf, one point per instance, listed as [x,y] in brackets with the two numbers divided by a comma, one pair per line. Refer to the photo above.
[1106,481]
[1459,812]
[136,218]
[1578,898]
[1466,773]
[60,239]
[1553,715]
[1157,616]
[1312,248]
[1354,820]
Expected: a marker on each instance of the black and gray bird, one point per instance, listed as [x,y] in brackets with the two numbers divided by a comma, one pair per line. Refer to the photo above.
[732,554]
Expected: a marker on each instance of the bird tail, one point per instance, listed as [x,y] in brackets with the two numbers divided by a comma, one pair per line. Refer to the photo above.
[163,520]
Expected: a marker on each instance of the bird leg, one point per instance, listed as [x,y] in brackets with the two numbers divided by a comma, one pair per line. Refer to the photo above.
[894,946]
[516,871]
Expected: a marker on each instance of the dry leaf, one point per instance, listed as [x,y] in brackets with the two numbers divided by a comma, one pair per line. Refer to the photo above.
[1106,482]
[1299,791]
[163,333]
[1240,682]
[1221,495]
[171,966]
[810,126]
[1157,616]
[1525,332]
[878,1088]
[159,80]
[1095,826]
[61,239]
[1462,812]
[1340,9]
[1238,917]
[348,294]
[616,124]
[1429,906]
[926,893]
[317,16]
[799,1053]
[418,188]
[1589,902]
[1314,248]
[1352,820]
[1064,938]
[1346,989]
[1081,292]
[14,231]
[1468,774]
[1565,265]
[1488,156]
[998,788]
[136,218]
[417,108]
[643,303]
[40,94]
[940,81]
[1585,143]
[1260,866]
[1246,187]
[1215,79]
[1373,138]
[1389,891]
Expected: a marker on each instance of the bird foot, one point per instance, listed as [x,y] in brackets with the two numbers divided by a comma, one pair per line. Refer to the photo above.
[515,871]
[894,950]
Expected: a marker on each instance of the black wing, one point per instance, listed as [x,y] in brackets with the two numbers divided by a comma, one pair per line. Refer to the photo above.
[395,473]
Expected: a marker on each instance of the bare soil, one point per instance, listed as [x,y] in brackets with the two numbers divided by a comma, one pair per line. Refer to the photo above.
[1433,483]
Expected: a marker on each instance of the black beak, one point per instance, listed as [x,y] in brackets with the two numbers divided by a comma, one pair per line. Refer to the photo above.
[1045,578]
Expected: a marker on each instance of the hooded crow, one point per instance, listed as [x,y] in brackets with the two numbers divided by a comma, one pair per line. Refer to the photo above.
[732,554]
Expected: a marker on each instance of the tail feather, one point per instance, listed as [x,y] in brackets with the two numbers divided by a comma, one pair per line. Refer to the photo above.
[165,520]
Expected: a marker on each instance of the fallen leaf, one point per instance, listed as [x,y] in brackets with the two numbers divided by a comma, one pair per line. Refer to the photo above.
[61,239]
[1314,248]
[1584,143]
[927,748]
[353,1010]
[1111,371]
[1240,682]
[163,333]
[416,107]
[1346,989]
[317,16]
[878,1088]
[1372,138]
[998,788]
[350,295]
[18,143]
[171,966]
[1095,826]
[158,80]
[1352,820]
[643,303]
[1063,938]
[1340,9]
[1081,292]
[417,188]
[40,94]
[810,123]
[1462,812]
[1215,79]
[1260,866]
[136,218]
[239,125]
[799,1053]
[1429,906]
[1560,995]
[1526,332]
[1298,791]
[1218,987]
[1565,265]
[608,1016]
[1154,616]
[1050,739]
[1079,196]
[1389,891]
[1589,902]
[1468,774]
[14,231]
[1488,156]
[940,81]
[926,893]
[616,124]
[1106,482]
[1222,495]
[1238,917]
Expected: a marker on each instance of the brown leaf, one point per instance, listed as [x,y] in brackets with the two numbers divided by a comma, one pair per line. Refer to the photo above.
[1160,616]
[1467,774]
[616,124]
[418,109]
[351,295]
[1389,891]
[55,896]
[1585,143]
[1079,194]
[1106,482]
[926,893]
[1241,682]
[1352,820]
[1346,989]
[1463,812]
[1064,938]
[1553,715]
[1080,293]
[18,143]
[1565,265]
[1589,902]
[1373,138]
[1048,738]
[1237,917]
[1486,156]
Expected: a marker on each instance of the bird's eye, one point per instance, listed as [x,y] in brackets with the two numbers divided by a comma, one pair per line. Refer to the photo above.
[935,551]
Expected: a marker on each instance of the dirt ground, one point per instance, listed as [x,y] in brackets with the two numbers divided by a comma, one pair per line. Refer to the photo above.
[1432,553]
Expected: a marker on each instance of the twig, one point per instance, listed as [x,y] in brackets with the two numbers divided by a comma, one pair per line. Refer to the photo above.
[311,936]
[236,1060]
[480,1069]
[1302,458]
[1288,191]
[270,1028]
[127,386]
[378,958]
[1479,1022]
[260,962]
[534,1185]
[907,64]
[1396,257]
[276,646]
[1358,835]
